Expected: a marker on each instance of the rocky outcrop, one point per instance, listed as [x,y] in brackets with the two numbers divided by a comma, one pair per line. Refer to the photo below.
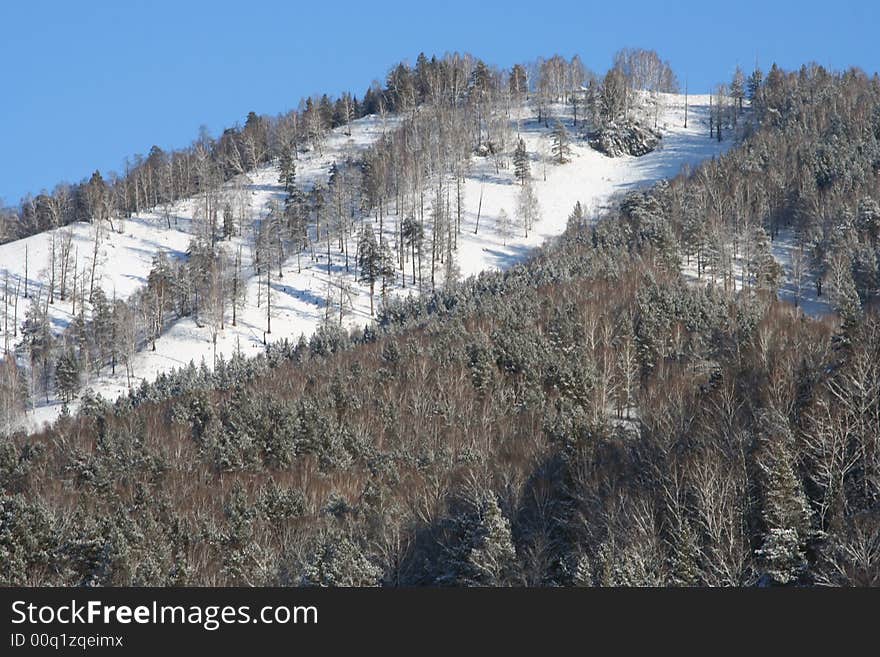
[624,139]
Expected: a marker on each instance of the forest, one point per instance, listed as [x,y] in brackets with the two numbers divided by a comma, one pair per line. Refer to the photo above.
[632,405]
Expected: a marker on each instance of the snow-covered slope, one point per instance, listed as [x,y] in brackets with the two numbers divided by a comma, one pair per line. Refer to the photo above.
[300,297]
[125,257]
[589,177]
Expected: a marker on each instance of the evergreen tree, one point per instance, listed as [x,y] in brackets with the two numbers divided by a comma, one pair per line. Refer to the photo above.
[37,333]
[694,238]
[97,199]
[479,549]
[773,90]
[492,556]
[785,513]
[767,272]
[577,218]
[561,149]
[67,375]
[102,326]
[228,221]
[521,161]
[369,262]
[338,561]
[401,88]
[481,78]
[844,293]
[518,81]
[413,236]
[423,77]
[287,171]
[612,97]
[387,270]
[684,552]
[755,81]
[325,110]
[160,283]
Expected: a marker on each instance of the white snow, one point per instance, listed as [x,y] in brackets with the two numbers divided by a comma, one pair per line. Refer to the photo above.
[786,248]
[589,177]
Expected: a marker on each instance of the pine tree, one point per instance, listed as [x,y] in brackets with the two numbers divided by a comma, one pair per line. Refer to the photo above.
[423,77]
[228,221]
[694,238]
[578,217]
[413,236]
[37,334]
[338,561]
[159,288]
[756,79]
[844,293]
[67,376]
[369,262]
[774,86]
[97,199]
[387,270]
[481,78]
[582,572]
[767,272]
[785,513]
[518,82]
[521,162]
[102,325]
[401,88]
[561,149]
[612,98]
[492,556]
[479,550]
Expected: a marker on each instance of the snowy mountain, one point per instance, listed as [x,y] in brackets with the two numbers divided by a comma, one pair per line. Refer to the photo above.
[485,352]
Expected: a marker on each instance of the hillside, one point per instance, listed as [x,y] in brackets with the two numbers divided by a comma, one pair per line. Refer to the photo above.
[125,258]
[647,375]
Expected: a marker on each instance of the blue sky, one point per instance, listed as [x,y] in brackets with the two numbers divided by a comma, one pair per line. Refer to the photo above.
[85,84]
